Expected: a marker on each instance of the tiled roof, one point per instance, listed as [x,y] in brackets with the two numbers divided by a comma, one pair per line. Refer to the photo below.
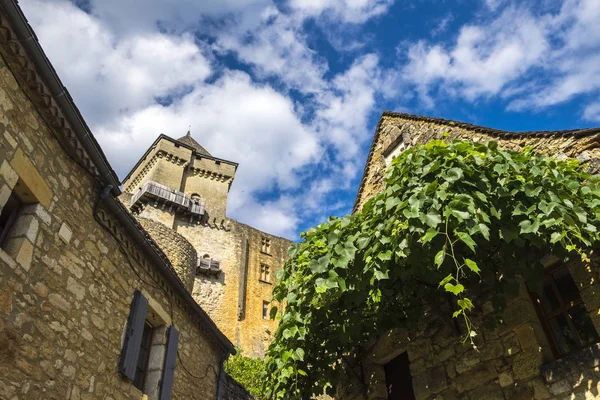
[189,140]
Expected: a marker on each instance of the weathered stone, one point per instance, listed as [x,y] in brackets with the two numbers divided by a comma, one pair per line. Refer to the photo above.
[75,288]
[505,379]
[58,301]
[6,301]
[467,361]
[527,364]
[431,382]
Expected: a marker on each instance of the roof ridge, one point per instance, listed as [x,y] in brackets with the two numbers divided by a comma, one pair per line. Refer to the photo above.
[579,132]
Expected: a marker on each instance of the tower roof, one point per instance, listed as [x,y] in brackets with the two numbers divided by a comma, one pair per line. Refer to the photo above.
[190,141]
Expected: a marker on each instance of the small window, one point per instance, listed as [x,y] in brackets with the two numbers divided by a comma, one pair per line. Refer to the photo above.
[266,245]
[265,310]
[265,273]
[142,363]
[147,349]
[564,317]
[8,216]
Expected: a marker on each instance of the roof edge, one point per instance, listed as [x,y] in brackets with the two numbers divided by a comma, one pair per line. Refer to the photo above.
[27,40]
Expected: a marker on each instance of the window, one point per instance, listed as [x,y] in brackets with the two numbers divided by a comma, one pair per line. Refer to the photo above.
[265,273]
[149,352]
[265,310]
[208,266]
[266,245]
[8,216]
[398,380]
[563,315]
[142,363]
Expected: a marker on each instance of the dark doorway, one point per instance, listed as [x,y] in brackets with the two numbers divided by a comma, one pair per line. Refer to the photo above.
[398,379]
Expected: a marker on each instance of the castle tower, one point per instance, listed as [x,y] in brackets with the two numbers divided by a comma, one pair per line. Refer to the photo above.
[178,192]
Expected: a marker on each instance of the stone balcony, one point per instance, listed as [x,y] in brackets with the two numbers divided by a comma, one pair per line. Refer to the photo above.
[152,191]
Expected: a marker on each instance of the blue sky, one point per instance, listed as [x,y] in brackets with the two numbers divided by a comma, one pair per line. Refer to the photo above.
[292,90]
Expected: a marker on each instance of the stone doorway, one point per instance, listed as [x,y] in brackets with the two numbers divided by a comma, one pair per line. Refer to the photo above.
[398,380]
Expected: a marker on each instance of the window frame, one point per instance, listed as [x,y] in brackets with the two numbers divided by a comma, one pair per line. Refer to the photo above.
[12,218]
[265,273]
[563,309]
[265,310]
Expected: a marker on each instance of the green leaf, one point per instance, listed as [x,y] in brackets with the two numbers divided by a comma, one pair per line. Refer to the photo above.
[457,313]
[439,257]
[529,227]
[447,279]
[472,265]
[432,218]
[429,235]
[298,354]
[555,237]
[380,275]
[392,202]
[363,241]
[453,174]
[465,304]
[454,289]
[467,239]
[385,256]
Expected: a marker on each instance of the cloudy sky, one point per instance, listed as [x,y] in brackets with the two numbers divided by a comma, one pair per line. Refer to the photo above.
[293,89]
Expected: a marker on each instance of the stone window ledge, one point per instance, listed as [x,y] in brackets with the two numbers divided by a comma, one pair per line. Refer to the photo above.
[576,362]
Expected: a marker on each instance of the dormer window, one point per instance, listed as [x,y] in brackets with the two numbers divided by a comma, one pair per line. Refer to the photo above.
[208,266]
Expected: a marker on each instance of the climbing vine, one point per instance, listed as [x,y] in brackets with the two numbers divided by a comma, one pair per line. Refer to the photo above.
[247,371]
[453,220]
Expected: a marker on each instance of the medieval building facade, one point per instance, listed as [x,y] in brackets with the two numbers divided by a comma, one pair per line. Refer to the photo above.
[96,302]
[178,191]
[547,347]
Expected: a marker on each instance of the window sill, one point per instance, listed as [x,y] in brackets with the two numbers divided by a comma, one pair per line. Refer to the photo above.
[265,282]
[266,254]
[572,363]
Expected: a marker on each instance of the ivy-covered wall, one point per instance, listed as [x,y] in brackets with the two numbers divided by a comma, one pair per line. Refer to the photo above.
[513,361]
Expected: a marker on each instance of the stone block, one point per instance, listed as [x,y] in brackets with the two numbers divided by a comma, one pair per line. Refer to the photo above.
[31,178]
[26,226]
[76,288]
[477,377]
[527,364]
[467,361]
[21,250]
[4,195]
[6,301]
[430,382]
[9,175]
[505,379]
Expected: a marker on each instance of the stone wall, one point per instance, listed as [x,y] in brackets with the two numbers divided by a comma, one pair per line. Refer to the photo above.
[180,252]
[64,302]
[513,361]
[238,248]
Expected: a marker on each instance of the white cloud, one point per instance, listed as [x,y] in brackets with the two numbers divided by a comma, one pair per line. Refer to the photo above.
[293,152]
[483,59]
[108,75]
[276,47]
[592,112]
[355,11]
[533,60]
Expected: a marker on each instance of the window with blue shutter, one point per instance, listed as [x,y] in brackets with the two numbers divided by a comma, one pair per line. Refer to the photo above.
[166,384]
[133,336]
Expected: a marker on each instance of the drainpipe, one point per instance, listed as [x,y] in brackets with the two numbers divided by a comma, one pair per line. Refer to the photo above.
[220,377]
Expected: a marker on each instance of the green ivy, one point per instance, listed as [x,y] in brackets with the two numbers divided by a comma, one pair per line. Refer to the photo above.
[247,371]
[454,219]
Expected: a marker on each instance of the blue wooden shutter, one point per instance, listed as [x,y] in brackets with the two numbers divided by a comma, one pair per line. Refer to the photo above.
[133,336]
[166,383]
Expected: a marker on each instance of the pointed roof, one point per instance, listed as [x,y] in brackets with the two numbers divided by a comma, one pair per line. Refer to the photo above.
[189,140]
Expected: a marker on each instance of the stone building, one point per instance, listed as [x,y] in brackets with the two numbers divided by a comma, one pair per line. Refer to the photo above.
[179,191]
[91,305]
[547,347]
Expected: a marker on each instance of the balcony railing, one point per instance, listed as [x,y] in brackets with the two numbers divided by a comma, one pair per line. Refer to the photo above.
[179,199]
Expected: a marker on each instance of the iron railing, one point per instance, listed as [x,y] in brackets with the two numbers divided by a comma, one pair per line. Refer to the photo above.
[181,200]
